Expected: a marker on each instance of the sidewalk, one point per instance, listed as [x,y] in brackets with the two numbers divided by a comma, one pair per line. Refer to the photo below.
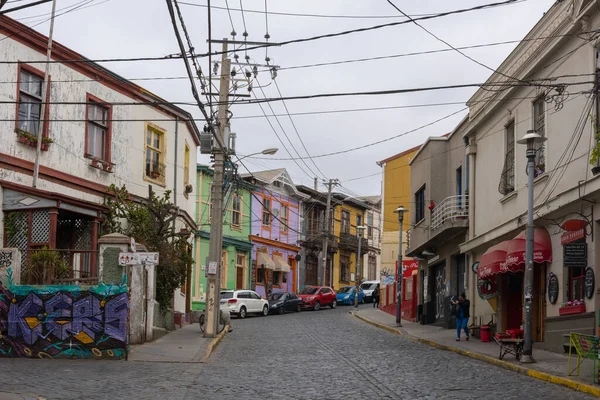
[186,345]
[551,367]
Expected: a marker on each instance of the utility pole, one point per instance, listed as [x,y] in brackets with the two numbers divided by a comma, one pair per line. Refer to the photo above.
[326,228]
[216,210]
[40,132]
[358,256]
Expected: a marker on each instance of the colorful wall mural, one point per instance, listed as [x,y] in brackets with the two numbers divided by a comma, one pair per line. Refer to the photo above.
[63,321]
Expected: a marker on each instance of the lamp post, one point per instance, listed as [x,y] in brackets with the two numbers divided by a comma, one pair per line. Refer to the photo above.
[359,230]
[530,139]
[267,152]
[400,211]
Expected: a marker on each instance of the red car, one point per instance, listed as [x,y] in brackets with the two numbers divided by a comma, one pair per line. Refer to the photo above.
[315,297]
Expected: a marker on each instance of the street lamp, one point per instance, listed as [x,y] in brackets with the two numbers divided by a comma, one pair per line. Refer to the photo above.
[267,152]
[400,211]
[359,230]
[531,139]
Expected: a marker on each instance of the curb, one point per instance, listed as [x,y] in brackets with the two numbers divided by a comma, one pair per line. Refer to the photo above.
[543,376]
[214,343]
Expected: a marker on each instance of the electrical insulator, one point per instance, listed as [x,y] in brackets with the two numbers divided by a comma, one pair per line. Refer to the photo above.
[233,72]
[273,73]
[255,71]
[248,74]
[216,68]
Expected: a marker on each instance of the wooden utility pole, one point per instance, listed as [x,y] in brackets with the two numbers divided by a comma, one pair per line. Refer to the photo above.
[329,185]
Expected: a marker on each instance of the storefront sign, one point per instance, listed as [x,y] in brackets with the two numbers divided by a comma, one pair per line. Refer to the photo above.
[575,255]
[569,237]
[553,288]
[433,259]
[475,266]
[487,288]
[408,267]
[589,283]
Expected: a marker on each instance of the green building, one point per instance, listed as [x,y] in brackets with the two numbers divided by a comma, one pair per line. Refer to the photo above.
[236,230]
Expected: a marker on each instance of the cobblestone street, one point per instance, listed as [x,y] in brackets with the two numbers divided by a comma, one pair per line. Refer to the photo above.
[326,354]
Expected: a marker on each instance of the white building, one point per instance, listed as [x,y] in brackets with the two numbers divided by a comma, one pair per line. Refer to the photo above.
[372,257]
[551,74]
[109,133]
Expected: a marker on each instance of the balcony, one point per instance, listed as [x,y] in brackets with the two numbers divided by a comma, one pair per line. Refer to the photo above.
[350,242]
[448,220]
[452,211]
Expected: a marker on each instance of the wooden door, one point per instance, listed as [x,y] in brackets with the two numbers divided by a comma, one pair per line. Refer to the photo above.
[239,280]
[292,276]
[514,301]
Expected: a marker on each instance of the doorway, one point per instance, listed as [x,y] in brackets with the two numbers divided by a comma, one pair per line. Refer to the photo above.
[539,301]
[513,295]
[239,280]
[292,275]
[439,290]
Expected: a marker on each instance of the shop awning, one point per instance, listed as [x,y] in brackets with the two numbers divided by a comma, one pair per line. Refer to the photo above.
[491,260]
[263,260]
[542,248]
[280,264]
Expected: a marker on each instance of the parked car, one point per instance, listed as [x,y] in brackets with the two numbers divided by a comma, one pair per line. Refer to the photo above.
[243,302]
[281,302]
[316,297]
[368,287]
[347,294]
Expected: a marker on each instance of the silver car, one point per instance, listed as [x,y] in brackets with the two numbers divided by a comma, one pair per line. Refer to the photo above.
[368,287]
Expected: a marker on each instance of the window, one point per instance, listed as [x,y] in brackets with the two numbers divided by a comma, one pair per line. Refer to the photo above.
[459,190]
[30,100]
[370,225]
[224,270]
[359,220]
[277,184]
[260,275]
[155,154]
[345,221]
[539,125]
[236,212]
[372,267]
[186,167]
[420,204]
[576,277]
[266,217]
[254,296]
[408,289]
[98,132]
[284,218]
[276,278]
[344,269]
[240,260]
[507,179]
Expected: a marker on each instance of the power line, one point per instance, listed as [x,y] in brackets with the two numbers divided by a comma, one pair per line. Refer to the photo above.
[376,27]
[316,15]
[24,6]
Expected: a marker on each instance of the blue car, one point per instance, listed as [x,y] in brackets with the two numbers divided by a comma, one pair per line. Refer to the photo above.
[345,295]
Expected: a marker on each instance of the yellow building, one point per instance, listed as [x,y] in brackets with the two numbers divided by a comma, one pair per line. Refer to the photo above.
[347,213]
[396,192]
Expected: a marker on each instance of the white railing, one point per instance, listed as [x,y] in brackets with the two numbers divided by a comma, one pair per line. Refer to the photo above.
[450,209]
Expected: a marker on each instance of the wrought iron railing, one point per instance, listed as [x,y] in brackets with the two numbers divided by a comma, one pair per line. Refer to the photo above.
[450,209]
[45,266]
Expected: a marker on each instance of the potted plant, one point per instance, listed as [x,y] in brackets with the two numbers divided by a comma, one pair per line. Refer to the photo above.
[45,265]
[572,307]
[107,166]
[154,174]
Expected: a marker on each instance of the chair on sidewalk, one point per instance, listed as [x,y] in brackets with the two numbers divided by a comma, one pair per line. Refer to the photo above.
[586,347]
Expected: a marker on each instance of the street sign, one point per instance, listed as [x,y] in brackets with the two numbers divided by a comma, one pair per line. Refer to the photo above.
[212,267]
[138,258]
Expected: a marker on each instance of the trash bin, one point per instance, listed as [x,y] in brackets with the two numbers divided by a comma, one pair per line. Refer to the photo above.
[485,333]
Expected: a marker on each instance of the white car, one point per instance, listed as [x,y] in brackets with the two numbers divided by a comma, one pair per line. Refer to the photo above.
[243,302]
[368,287]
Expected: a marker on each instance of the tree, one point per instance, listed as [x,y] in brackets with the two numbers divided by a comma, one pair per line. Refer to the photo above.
[151,222]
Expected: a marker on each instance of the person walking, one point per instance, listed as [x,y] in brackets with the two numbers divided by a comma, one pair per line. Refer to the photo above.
[462,307]
[376,296]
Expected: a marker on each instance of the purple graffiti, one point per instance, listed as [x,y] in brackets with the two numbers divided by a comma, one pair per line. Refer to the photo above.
[24,318]
[58,315]
[87,317]
[115,323]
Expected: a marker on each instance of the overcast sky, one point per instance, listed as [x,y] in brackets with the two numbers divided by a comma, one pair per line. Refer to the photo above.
[141,28]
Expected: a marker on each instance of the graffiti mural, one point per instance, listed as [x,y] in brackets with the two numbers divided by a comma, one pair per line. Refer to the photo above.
[63,321]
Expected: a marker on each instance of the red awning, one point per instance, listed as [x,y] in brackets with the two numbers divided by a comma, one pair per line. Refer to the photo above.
[490,261]
[542,249]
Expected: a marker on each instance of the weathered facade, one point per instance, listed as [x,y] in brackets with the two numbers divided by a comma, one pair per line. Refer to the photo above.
[99,129]
[561,51]
[235,272]
[438,224]
[275,232]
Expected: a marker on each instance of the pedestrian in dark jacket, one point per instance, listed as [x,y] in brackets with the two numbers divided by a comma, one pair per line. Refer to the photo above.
[462,307]
[376,296]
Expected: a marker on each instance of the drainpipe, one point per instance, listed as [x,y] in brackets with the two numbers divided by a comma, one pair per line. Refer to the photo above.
[471,152]
[175,163]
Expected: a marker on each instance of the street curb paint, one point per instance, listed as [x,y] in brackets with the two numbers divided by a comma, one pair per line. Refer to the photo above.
[214,343]
[543,376]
